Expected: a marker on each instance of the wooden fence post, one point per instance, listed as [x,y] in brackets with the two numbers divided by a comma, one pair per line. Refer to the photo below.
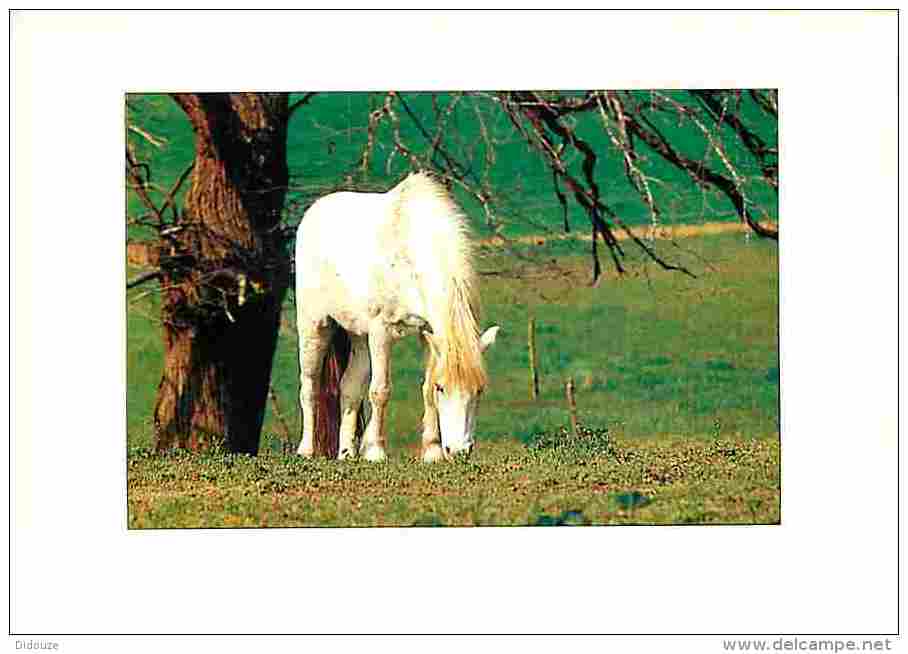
[534,365]
[572,406]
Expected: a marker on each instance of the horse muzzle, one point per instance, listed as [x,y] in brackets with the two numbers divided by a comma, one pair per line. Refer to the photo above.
[452,453]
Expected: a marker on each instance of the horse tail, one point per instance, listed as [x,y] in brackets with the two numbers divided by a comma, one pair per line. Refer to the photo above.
[327,412]
[328,405]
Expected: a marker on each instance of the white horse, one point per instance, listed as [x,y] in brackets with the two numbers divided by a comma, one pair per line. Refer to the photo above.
[380,266]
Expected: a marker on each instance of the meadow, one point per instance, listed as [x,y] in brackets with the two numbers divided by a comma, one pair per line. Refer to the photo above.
[680,376]
[677,379]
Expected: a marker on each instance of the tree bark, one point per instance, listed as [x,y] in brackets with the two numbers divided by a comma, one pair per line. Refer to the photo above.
[224,272]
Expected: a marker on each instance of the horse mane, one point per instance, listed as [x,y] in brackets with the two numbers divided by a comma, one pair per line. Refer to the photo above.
[432,211]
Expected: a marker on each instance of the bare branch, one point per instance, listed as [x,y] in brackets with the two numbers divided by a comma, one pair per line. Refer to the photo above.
[169,198]
[768,103]
[625,145]
[375,117]
[436,141]
[300,103]
[157,142]
[144,277]
[698,170]
[138,174]
[751,140]
[276,408]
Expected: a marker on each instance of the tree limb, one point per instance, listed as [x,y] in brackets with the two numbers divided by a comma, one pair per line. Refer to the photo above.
[699,171]
[140,183]
[750,139]
[299,103]
[169,198]
[144,277]
[158,143]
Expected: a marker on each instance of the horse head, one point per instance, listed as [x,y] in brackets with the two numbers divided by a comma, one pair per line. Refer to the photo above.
[456,398]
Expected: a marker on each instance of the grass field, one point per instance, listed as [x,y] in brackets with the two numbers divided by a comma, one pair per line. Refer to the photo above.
[682,374]
[666,481]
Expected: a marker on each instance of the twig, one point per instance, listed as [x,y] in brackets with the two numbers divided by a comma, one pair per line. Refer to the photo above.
[750,139]
[299,103]
[699,171]
[280,418]
[140,184]
[144,277]
[374,117]
[158,143]
[169,198]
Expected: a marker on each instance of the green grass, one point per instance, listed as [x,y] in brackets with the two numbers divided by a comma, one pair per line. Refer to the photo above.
[676,481]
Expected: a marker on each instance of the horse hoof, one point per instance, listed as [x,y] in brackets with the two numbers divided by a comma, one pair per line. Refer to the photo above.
[432,454]
[345,454]
[375,454]
[306,454]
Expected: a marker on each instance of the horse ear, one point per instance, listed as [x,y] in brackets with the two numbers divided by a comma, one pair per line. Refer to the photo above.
[488,337]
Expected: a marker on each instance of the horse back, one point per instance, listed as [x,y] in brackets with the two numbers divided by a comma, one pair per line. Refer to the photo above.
[353,257]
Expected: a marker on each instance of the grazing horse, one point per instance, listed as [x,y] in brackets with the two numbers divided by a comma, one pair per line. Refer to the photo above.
[372,268]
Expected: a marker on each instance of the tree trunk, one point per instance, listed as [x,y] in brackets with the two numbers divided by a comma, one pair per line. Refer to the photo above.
[225,273]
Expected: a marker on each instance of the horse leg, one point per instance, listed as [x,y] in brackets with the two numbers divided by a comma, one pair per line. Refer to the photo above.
[374,440]
[431,438]
[353,386]
[314,341]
